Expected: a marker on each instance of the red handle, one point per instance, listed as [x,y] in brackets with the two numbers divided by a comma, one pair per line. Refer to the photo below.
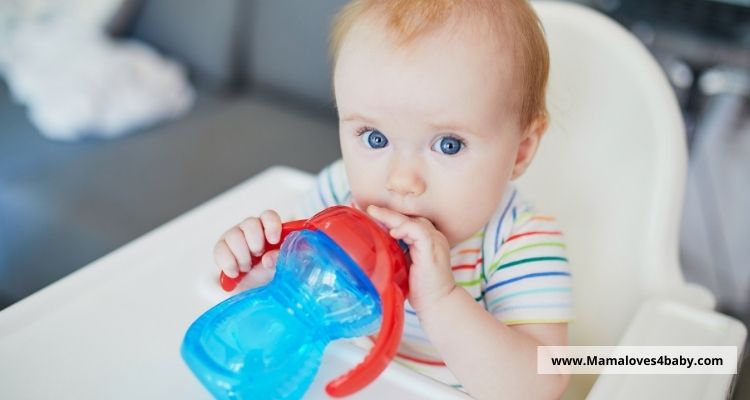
[381,354]
[229,284]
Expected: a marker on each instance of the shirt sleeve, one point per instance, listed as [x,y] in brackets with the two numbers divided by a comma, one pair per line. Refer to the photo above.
[528,278]
[331,188]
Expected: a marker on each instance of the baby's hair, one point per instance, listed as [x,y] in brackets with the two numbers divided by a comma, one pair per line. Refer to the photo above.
[406,20]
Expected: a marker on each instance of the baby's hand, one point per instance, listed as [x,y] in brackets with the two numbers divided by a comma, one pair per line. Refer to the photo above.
[232,253]
[430,276]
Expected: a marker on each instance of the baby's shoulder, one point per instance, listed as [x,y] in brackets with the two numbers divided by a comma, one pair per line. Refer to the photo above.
[527,216]
[331,188]
[332,184]
[517,219]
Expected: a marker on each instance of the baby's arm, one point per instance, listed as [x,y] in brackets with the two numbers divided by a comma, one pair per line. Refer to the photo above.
[488,357]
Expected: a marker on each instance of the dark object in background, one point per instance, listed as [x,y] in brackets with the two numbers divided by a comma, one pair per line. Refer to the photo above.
[122,20]
[726,20]
[688,37]
[63,205]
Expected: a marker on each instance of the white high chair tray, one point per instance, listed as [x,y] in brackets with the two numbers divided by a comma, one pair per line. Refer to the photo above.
[663,322]
[113,329]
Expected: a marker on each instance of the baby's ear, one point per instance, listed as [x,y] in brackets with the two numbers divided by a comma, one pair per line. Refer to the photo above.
[529,144]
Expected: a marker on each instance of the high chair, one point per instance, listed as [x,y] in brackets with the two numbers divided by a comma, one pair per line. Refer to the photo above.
[612,170]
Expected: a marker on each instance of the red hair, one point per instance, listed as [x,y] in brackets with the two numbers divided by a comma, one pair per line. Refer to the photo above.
[513,21]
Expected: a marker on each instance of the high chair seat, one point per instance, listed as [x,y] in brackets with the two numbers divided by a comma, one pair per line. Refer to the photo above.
[612,169]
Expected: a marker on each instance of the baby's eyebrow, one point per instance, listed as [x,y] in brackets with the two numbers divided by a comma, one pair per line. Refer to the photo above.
[450,127]
[357,117]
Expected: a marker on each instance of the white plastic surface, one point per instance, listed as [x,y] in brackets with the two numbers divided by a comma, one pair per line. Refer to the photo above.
[113,329]
[612,170]
[664,322]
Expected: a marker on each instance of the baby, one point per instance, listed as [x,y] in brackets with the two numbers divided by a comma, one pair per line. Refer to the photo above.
[441,105]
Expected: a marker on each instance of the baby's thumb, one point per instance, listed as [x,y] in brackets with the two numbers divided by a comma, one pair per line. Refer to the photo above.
[269,259]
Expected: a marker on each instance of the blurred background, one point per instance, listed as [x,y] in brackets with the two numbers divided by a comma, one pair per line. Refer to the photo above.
[119,115]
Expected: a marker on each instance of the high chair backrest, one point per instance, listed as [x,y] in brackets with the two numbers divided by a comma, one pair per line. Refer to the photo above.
[611,168]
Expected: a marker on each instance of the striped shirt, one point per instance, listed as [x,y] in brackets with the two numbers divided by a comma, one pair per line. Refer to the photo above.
[515,267]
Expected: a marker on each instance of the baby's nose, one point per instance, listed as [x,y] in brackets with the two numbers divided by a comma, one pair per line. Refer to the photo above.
[405,181]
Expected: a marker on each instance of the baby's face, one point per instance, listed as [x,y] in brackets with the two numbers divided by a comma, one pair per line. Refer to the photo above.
[429,129]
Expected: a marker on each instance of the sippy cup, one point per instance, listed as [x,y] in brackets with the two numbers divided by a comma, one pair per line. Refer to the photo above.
[338,275]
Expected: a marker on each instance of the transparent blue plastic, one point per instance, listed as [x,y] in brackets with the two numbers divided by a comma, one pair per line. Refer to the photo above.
[267,343]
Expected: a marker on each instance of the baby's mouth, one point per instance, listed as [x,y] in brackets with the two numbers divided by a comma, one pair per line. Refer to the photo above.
[420,216]
[407,214]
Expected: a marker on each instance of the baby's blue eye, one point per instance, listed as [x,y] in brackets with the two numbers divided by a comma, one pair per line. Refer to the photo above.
[374,139]
[448,145]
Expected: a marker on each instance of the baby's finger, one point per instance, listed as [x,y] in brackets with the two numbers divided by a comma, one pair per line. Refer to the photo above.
[225,259]
[254,236]
[260,274]
[269,259]
[389,218]
[426,222]
[271,225]
[235,240]
[411,232]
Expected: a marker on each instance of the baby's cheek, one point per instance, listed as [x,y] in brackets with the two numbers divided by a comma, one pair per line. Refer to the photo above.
[466,215]
[367,185]
[363,200]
